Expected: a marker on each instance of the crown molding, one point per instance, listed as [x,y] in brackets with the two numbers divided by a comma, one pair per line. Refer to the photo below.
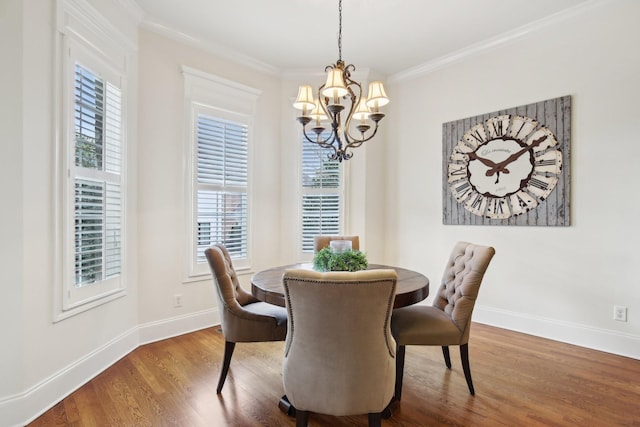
[209,47]
[495,42]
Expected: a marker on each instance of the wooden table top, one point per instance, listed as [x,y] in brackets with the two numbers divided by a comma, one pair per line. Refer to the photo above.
[412,287]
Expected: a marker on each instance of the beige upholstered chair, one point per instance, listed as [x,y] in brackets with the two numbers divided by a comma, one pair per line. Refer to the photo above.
[339,354]
[448,321]
[321,242]
[243,317]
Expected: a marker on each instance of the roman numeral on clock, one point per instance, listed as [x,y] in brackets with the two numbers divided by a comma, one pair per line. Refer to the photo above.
[477,136]
[498,128]
[498,208]
[522,202]
[497,125]
[537,183]
[476,203]
[461,190]
[457,170]
[545,162]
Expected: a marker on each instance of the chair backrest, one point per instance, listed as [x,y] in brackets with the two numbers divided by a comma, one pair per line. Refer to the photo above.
[321,242]
[242,316]
[461,282]
[339,352]
[228,288]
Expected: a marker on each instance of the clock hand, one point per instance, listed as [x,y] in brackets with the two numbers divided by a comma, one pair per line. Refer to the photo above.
[500,167]
[474,156]
[487,162]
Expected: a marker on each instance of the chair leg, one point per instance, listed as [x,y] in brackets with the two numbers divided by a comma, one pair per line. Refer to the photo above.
[386,412]
[400,351]
[447,357]
[464,355]
[302,418]
[228,352]
[375,420]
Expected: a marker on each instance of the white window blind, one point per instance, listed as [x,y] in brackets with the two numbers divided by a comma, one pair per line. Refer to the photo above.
[222,180]
[321,194]
[97,179]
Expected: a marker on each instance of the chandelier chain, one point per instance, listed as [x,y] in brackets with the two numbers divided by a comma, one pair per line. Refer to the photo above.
[340,30]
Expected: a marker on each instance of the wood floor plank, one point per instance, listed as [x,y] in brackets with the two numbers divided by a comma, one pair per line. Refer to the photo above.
[520,380]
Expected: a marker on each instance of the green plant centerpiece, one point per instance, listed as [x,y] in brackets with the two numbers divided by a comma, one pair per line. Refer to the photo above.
[348,260]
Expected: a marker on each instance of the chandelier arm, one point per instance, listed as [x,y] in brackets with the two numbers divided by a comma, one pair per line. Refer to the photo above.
[323,143]
[354,100]
[355,143]
[334,155]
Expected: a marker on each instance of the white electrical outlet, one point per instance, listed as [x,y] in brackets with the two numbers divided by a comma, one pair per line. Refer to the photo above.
[177,300]
[620,313]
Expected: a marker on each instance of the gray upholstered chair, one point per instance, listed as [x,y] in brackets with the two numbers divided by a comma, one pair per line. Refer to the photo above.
[448,321]
[243,317]
[339,354]
[321,242]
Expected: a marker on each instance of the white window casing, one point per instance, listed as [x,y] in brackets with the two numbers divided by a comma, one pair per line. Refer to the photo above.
[90,168]
[218,118]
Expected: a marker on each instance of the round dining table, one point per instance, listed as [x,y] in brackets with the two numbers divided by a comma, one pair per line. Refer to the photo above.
[411,287]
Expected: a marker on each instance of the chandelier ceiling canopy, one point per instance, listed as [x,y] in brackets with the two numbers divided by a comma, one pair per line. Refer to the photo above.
[352,118]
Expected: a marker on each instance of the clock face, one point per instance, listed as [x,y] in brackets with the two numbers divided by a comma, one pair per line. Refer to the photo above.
[504,166]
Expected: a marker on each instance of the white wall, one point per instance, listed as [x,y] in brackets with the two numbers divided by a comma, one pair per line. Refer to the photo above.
[11,209]
[559,282]
[162,180]
[43,360]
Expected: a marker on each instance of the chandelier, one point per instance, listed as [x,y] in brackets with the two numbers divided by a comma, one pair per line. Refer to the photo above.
[339,95]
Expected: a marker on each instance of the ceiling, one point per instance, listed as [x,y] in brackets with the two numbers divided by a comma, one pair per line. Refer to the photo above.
[388,36]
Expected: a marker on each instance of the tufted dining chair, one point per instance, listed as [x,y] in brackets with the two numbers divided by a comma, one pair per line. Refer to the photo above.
[448,321]
[243,317]
[321,242]
[339,354]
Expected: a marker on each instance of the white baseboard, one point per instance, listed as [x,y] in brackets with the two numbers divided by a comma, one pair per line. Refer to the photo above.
[167,328]
[21,409]
[571,333]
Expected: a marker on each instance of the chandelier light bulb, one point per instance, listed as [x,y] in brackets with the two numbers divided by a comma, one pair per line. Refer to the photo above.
[362,110]
[318,113]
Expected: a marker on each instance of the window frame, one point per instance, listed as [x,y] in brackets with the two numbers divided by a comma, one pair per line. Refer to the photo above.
[89,46]
[226,100]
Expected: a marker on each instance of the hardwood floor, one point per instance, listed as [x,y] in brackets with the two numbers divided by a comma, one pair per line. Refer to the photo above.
[520,380]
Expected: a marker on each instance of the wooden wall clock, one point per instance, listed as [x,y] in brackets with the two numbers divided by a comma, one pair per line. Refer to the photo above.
[509,167]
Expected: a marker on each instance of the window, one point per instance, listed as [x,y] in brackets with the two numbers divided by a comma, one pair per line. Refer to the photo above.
[96,174]
[92,182]
[219,117]
[222,185]
[321,194]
